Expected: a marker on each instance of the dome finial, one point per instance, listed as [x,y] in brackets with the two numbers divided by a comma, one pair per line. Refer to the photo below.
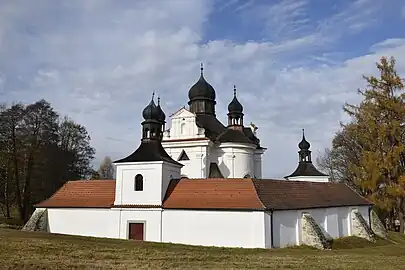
[304,144]
[153,95]
[158,101]
[202,69]
[234,90]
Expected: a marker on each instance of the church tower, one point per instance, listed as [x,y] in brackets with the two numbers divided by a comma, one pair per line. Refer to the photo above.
[202,97]
[306,171]
[235,112]
[143,177]
[238,148]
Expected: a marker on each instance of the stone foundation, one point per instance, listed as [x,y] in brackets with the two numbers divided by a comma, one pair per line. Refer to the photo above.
[313,234]
[377,226]
[360,228]
[38,221]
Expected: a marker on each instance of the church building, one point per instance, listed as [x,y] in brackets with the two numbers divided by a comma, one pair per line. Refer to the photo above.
[206,147]
[199,182]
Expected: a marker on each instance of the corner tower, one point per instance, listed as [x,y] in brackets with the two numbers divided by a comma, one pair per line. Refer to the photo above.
[235,112]
[142,177]
[306,171]
[237,147]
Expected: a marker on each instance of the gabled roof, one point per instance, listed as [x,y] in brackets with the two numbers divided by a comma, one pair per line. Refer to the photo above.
[82,194]
[217,193]
[182,111]
[151,150]
[288,195]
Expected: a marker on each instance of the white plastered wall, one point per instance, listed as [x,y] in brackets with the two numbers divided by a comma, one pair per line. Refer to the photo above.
[215,228]
[156,177]
[335,221]
[236,160]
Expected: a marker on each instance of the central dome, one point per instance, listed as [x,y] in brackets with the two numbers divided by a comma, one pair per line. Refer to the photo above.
[201,89]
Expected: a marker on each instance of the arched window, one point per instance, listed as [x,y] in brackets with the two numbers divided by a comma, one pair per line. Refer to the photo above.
[138,182]
[182,128]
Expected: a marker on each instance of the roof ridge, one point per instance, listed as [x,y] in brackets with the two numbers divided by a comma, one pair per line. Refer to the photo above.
[257,193]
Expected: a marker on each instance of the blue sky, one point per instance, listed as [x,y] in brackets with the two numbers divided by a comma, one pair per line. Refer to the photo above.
[295,62]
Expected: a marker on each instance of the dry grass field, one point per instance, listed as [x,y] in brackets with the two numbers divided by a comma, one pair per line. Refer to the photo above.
[25,250]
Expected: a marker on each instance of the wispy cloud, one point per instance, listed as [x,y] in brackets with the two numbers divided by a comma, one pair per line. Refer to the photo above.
[295,22]
[99,61]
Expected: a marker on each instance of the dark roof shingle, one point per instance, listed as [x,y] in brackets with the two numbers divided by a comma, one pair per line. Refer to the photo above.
[306,169]
[149,151]
[288,195]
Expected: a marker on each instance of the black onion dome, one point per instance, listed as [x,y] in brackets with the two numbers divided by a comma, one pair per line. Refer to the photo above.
[201,89]
[161,114]
[151,112]
[304,144]
[235,106]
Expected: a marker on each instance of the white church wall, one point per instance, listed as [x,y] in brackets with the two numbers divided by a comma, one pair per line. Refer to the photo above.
[335,221]
[183,126]
[343,221]
[197,151]
[257,164]
[285,228]
[156,176]
[149,216]
[236,160]
[267,230]
[332,222]
[214,228]
[84,222]
[170,171]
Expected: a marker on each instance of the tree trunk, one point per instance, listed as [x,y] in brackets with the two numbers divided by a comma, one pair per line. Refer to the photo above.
[16,176]
[27,189]
[6,198]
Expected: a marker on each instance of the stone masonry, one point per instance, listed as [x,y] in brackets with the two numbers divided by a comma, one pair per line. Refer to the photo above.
[38,221]
[360,228]
[377,226]
[313,235]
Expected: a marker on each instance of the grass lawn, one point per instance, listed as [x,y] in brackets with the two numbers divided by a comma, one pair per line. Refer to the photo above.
[29,250]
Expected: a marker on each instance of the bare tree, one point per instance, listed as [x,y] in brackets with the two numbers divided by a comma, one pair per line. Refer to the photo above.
[106,170]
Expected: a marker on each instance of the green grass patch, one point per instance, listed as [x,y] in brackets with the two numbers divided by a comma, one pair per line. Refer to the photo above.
[30,250]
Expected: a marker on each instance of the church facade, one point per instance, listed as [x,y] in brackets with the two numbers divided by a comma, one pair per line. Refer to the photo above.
[205,146]
[200,183]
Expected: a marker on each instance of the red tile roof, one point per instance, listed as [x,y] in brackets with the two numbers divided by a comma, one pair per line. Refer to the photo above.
[216,193]
[212,193]
[83,194]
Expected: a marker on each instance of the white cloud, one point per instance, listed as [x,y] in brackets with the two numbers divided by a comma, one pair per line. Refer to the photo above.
[99,62]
